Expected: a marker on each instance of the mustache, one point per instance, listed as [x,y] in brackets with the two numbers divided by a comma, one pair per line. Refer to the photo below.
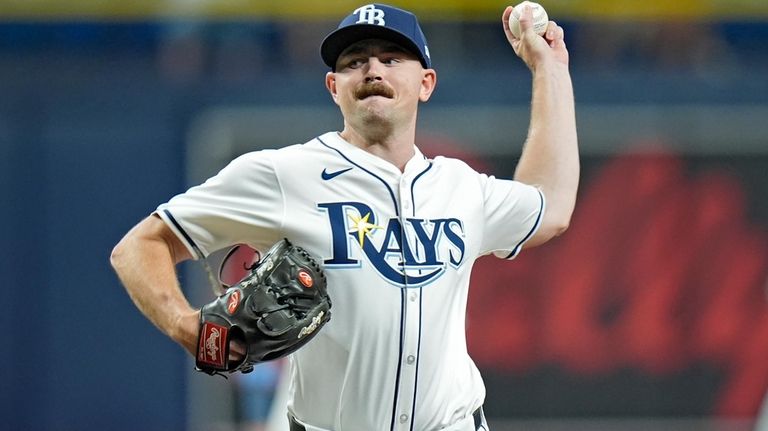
[374,89]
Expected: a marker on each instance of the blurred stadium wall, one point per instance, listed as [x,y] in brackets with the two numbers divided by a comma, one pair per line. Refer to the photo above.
[429,9]
[650,314]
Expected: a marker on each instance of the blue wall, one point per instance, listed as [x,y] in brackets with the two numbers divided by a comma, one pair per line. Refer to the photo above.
[86,152]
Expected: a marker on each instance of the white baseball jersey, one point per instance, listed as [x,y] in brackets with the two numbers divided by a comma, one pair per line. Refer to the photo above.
[397,248]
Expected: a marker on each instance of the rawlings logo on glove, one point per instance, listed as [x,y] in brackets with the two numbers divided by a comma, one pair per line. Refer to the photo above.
[276,309]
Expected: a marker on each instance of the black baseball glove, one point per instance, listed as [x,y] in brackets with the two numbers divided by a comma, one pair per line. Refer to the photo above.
[276,309]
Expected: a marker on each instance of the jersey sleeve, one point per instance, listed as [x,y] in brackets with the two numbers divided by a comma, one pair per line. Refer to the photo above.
[243,203]
[513,213]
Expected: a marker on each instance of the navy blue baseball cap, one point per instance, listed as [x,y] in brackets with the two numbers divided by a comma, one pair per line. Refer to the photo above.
[377,21]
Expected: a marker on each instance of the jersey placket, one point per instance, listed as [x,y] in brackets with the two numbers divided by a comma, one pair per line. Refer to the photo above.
[412,322]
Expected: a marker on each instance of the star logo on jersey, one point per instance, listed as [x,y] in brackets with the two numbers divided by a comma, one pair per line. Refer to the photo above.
[362,227]
[331,175]
[407,252]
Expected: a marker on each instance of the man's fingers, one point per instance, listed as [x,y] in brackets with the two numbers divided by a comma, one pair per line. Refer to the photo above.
[554,31]
[237,350]
[505,18]
[526,19]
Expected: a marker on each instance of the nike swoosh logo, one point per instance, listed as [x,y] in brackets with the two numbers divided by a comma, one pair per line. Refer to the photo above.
[330,175]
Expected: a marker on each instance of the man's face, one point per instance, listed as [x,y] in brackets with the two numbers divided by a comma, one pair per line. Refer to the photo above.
[377,82]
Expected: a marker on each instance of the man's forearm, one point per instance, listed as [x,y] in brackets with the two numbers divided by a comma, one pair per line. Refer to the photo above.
[550,156]
[145,264]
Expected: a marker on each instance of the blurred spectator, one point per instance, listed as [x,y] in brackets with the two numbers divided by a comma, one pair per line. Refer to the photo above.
[181,52]
[668,45]
[230,51]
[254,393]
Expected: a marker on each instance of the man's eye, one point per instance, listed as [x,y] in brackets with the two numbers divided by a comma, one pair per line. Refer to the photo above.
[391,60]
[355,63]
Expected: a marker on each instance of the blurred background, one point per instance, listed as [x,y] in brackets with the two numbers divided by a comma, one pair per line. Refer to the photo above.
[651,313]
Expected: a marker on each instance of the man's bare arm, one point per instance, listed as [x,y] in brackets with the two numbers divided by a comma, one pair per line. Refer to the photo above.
[550,158]
[145,261]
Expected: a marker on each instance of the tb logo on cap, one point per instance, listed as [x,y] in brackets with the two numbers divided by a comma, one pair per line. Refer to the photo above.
[369,14]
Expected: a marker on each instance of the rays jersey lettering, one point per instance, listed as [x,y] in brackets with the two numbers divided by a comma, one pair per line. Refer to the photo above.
[413,252]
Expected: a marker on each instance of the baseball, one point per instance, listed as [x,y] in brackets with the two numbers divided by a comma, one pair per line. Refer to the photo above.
[540,18]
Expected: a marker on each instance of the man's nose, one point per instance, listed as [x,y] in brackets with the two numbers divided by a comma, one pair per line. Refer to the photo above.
[373,72]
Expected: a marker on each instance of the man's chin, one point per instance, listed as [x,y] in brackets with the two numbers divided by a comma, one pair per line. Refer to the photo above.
[376,123]
[375,109]
[373,118]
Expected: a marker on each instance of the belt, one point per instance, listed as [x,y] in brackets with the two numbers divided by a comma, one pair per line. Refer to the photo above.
[477,415]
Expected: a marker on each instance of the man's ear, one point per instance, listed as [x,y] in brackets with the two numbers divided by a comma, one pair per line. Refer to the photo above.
[330,84]
[428,84]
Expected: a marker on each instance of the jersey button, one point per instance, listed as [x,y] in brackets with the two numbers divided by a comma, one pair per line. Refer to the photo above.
[406,205]
[414,297]
[410,359]
[403,418]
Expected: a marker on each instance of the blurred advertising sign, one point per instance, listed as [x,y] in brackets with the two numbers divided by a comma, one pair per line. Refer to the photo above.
[653,303]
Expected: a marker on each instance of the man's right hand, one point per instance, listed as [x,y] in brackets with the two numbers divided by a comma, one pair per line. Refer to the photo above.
[532,48]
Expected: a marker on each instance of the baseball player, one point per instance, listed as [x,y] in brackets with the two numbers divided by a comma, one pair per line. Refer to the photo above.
[397,232]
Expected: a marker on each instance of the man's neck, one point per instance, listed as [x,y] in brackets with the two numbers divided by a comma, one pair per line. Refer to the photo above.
[395,148]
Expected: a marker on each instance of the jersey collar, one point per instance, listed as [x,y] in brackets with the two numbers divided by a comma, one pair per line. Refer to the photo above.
[414,166]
